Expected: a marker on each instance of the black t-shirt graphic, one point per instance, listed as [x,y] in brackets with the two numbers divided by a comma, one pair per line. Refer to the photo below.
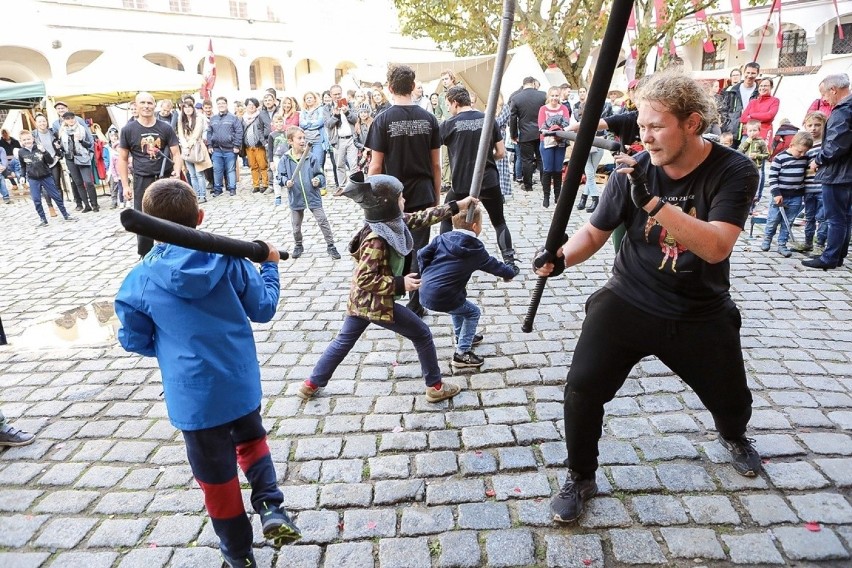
[461,134]
[147,144]
[406,135]
[654,272]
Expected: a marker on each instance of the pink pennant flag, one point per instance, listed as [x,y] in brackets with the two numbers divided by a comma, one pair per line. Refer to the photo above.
[839,25]
[701,17]
[779,37]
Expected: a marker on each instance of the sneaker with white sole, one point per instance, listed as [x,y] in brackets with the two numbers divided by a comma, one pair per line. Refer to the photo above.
[466,359]
[306,391]
[568,505]
[447,390]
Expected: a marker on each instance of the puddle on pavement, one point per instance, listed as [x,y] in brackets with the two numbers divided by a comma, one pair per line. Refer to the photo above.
[85,326]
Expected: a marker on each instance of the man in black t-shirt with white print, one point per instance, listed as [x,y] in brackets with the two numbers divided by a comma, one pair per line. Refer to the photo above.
[405,143]
[684,202]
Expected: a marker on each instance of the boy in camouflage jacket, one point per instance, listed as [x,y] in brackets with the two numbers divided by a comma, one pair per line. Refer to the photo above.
[383,252]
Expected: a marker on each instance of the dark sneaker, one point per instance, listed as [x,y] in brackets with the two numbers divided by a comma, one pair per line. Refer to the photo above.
[332,252]
[765,245]
[744,457]
[244,562]
[13,437]
[466,359]
[86,209]
[447,390]
[567,506]
[477,339]
[784,251]
[297,251]
[306,391]
[70,218]
[277,526]
[256,190]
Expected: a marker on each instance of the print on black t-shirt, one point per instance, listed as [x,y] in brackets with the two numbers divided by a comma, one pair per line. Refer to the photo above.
[461,134]
[148,145]
[654,272]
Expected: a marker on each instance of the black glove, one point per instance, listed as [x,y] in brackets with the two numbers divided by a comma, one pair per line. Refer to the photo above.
[638,188]
[542,257]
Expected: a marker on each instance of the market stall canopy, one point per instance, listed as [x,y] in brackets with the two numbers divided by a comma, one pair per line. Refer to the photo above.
[475,72]
[21,95]
[116,78]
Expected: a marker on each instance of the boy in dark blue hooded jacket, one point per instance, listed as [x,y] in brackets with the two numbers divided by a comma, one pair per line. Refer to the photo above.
[446,265]
[191,311]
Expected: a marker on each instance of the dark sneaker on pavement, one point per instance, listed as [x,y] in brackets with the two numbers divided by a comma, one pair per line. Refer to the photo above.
[744,457]
[567,506]
[332,252]
[466,359]
[277,526]
[297,251]
[447,390]
[244,562]
[13,437]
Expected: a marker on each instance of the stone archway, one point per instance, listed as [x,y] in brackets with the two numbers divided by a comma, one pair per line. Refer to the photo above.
[266,72]
[165,60]
[226,73]
[81,59]
[22,64]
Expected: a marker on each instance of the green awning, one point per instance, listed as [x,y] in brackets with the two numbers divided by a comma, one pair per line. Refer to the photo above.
[21,95]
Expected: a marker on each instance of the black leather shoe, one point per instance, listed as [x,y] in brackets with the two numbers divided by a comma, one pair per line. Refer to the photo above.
[817,263]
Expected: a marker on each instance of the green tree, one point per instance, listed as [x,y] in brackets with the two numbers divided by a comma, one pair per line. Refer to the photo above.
[563,32]
[559,31]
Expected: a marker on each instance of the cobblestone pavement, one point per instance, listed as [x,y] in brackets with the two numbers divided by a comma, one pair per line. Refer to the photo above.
[377,477]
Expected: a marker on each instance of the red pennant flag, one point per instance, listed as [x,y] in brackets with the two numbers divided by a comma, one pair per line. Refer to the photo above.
[209,73]
[701,17]
[839,25]
[738,21]
[779,37]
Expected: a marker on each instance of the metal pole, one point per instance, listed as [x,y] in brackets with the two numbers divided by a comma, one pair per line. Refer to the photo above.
[610,49]
[486,144]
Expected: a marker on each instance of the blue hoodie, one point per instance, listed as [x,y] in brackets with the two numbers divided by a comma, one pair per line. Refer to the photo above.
[446,265]
[191,311]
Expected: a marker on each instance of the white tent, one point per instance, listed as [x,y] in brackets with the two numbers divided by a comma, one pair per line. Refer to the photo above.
[475,72]
[114,78]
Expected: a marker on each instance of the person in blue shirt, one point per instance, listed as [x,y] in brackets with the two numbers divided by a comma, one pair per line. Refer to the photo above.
[191,310]
[446,265]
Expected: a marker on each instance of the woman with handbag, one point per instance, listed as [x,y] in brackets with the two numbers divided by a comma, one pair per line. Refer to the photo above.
[191,128]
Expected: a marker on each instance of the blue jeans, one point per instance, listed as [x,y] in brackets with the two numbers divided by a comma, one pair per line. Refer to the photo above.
[551,158]
[837,200]
[224,163]
[404,323]
[4,192]
[595,155]
[792,207]
[518,170]
[815,219]
[46,184]
[465,320]
[196,180]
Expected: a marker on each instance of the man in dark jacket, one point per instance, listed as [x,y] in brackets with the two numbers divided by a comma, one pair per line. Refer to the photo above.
[736,97]
[267,113]
[224,140]
[523,126]
[834,172]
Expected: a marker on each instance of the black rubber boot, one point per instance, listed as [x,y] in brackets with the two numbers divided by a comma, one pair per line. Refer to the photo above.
[582,203]
[545,184]
[591,208]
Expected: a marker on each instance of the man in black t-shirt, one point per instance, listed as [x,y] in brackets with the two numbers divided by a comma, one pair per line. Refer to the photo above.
[154,147]
[460,134]
[684,206]
[405,143]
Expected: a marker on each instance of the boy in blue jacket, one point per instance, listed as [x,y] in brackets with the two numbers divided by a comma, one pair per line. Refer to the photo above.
[446,265]
[191,311]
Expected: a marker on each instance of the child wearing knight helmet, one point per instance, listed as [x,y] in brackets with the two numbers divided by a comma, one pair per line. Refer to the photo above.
[383,251]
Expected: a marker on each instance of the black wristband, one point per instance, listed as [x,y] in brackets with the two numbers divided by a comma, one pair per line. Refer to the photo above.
[656,208]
